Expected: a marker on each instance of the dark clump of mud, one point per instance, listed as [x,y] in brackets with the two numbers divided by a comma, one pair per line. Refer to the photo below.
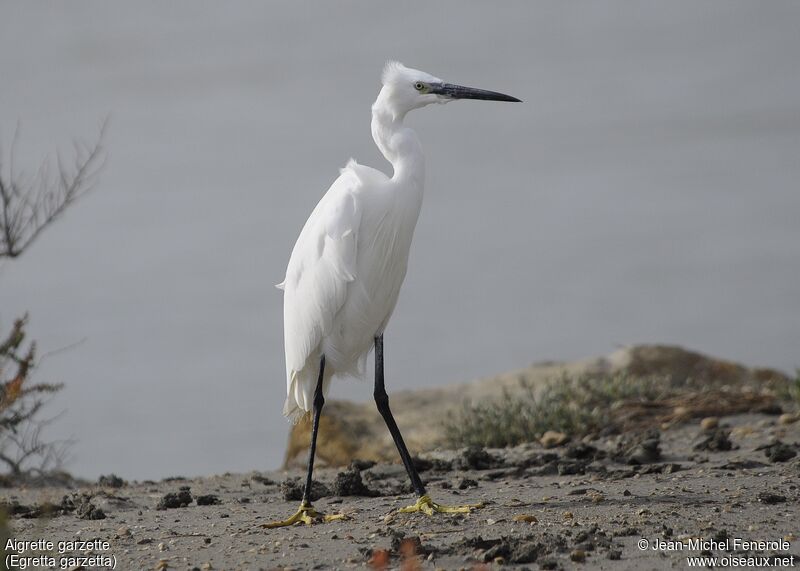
[292,490]
[644,448]
[467,483]
[717,441]
[360,465]
[770,498]
[476,458]
[208,500]
[584,451]
[111,481]
[570,467]
[82,505]
[434,464]
[592,539]
[262,480]
[779,452]
[349,483]
[88,510]
[174,500]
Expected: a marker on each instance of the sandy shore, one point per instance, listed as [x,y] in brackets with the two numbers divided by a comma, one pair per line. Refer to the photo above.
[584,505]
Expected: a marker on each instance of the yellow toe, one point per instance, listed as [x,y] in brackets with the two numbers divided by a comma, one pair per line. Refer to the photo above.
[427,506]
[307,515]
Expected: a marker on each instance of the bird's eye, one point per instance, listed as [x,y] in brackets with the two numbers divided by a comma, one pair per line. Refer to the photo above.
[419,86]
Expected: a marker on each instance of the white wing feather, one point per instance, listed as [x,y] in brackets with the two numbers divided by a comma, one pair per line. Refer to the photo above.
[321,266]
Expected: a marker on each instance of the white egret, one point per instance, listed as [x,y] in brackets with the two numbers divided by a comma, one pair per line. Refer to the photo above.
[348,264]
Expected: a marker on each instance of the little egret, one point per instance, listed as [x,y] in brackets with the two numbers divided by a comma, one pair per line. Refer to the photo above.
[346,269]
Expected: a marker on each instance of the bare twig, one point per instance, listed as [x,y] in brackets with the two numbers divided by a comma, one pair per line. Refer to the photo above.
[28,206]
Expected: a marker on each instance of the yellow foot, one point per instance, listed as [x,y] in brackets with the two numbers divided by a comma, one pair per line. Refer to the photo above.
[426,505]
[306,514]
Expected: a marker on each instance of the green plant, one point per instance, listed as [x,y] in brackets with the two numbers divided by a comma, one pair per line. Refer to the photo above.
[574,405]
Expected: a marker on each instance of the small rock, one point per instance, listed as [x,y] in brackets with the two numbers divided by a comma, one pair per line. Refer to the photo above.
[770,498]
[208,500]
[88,510]
[262,480]
[578,556]
[466,483]
[717,441]
[571,467]
[709,423]
[582,451]
[111,481]
[644,448]
[526,518]
[476,458]
[349,483]
[597,497]
[175,500]
[779,452]
[292,490]
[551,439]
[788,418]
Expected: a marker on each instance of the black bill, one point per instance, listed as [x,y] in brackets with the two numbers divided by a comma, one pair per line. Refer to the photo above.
[461,92]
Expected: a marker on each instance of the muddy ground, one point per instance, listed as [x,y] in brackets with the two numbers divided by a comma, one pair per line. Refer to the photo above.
[579,505]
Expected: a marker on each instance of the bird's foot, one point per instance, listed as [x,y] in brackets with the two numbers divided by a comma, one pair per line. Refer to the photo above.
[306,514]
[426,505]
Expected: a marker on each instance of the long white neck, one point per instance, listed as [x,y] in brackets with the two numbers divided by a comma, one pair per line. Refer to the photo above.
[398,143]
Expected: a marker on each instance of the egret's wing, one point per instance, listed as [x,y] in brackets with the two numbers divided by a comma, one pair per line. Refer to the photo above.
[322,265]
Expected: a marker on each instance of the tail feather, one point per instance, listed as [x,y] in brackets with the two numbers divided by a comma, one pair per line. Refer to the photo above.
[293,412]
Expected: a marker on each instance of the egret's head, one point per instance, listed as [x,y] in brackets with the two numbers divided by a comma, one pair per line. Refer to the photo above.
[405,89]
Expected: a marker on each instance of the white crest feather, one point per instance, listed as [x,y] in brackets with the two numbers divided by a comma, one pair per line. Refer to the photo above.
[391,70]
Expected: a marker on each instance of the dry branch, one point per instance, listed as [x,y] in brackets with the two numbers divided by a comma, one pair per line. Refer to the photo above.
[28,205]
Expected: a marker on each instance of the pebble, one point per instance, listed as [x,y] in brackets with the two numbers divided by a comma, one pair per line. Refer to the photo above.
[579,556]
[551,439]
[788,418]
[526,518]
[709,423]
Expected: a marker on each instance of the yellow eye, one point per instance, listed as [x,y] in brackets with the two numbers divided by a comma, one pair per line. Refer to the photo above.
[419,86]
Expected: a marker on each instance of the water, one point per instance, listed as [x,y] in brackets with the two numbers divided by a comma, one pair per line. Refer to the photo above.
[646,191]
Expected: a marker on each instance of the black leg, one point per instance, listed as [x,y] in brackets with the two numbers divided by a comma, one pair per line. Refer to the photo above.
[319,400]
[382,400]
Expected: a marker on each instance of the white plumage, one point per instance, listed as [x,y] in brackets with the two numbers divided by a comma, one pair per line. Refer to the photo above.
[348,264]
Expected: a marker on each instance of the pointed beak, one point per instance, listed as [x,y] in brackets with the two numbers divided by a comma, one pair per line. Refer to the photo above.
[460,92]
